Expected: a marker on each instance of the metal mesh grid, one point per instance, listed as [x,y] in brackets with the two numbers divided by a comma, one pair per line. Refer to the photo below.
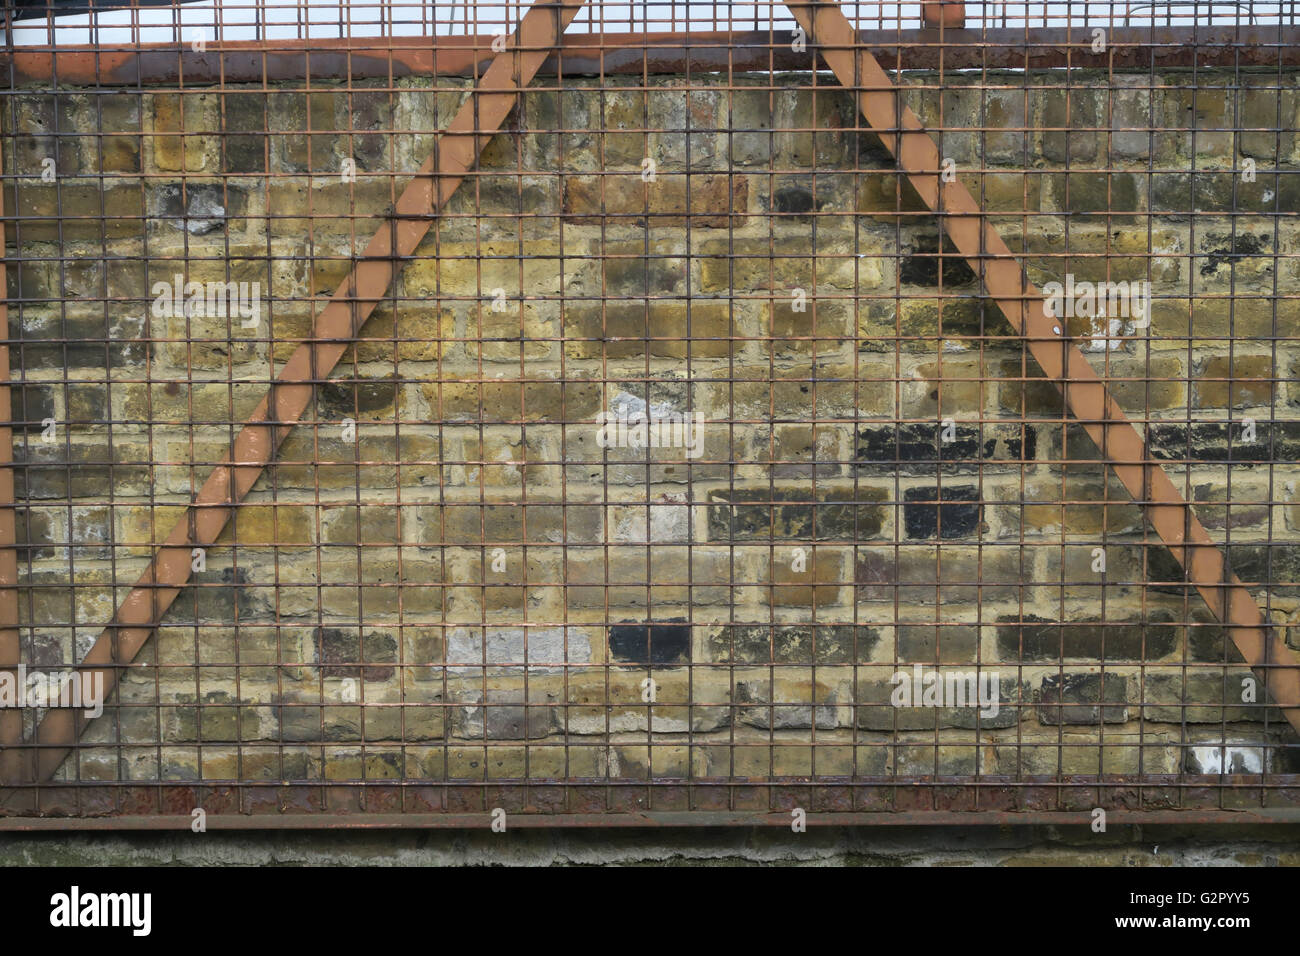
[472,577]
[116,21]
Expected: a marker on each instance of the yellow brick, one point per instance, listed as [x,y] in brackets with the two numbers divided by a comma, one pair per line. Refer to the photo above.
[269,524]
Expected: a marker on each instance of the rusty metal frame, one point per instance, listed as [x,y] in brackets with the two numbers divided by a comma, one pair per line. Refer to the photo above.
[650,819]
[995,801]
[612,54]
[477,121]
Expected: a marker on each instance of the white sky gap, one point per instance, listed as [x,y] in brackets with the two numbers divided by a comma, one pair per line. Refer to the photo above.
[332,19]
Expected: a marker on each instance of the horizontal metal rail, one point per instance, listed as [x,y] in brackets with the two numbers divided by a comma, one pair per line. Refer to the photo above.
[625,54]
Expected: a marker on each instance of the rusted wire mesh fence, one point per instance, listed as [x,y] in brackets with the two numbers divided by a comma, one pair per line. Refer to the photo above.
[638,419]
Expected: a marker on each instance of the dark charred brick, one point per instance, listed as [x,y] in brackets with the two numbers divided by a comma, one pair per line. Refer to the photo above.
[1270,565]
[1094,193]
[921,266]
[47,650]
[1038,639]
[875,710]
[1174,193]
[1286,755]
[216,597]
[1163,572]
[944,513]
[371,109]
[1012,700]
[346,399]
[1202,696]
[244,112]
[43,471]
[1207,641]
[1072,443]
[89,342]
[34,533]
[932,643]
[768,714]
[245,119]
[245,154]
[87,404]
[793,200]
[299,722]
[32,404]
[875,576]
[657,644]
[1218,514]
[1083,699]
[339,650]
[792,515]
[1225,249]
[370,150]
[917,448]
[1209,441]
[654,275]
[792,643]
[1224,441]
[199,208]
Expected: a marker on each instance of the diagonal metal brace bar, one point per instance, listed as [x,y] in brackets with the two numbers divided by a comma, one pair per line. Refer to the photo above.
[1276,665]
[455,153]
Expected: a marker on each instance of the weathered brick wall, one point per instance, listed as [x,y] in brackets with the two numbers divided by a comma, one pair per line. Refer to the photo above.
[373,562]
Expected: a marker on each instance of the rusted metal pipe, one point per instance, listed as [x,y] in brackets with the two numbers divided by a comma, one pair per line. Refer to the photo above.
[614,54]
